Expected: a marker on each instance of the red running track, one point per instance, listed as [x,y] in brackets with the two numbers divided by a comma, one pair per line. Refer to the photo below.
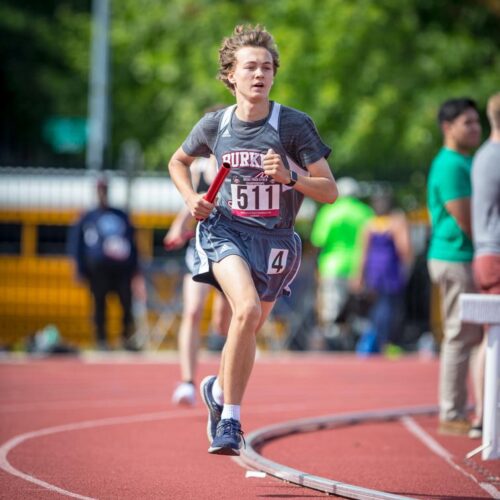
[103,427]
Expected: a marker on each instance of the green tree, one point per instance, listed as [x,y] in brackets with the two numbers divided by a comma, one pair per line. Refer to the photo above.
[43,72]
[371,73]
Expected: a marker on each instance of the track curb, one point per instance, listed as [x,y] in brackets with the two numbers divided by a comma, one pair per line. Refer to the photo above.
[255,440]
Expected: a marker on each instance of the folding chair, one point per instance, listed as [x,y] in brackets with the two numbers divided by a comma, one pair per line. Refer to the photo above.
[163,307]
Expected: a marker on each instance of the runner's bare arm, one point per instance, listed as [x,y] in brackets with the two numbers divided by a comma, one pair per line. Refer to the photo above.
[178,168]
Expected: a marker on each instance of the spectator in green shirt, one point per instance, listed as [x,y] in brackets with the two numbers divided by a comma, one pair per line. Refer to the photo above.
[336,231]
[450,254]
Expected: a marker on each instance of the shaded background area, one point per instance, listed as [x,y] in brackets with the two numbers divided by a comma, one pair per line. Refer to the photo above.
[371,74]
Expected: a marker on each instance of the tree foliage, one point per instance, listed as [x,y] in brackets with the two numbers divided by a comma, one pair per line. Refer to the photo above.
[371,73]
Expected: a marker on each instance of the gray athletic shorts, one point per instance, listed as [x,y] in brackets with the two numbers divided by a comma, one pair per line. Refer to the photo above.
[190,255]
[273,256]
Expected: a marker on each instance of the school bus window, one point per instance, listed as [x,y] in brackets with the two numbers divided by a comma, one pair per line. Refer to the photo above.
[10,239]
[158,249]
[52,240]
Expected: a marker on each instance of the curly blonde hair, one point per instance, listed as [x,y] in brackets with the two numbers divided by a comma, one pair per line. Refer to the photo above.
[244,36]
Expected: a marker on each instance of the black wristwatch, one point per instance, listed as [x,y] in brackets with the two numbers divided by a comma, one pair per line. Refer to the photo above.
[293,179]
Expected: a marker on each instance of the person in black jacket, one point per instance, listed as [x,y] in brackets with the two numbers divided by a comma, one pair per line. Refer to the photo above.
[103,246]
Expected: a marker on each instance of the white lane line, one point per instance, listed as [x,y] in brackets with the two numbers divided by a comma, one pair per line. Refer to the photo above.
[9,445]
[434,446]
[77,405]
[12,443]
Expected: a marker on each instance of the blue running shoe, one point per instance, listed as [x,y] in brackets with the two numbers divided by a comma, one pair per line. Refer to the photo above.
[214,409]
[228,438]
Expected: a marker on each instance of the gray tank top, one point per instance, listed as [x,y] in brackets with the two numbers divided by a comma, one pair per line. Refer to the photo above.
[248,195]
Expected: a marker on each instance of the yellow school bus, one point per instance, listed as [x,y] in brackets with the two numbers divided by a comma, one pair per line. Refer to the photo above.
[37,278]
[38,285]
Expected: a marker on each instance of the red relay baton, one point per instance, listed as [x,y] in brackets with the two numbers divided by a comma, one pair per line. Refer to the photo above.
[217,183]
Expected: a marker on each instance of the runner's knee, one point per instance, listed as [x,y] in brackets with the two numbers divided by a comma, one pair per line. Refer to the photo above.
[248,313]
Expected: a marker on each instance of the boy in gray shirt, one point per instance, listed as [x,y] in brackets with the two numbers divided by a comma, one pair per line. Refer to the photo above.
[486,188]
[245,244]
[486,233]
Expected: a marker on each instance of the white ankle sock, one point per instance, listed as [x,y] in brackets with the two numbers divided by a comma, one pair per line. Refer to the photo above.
[217,392]
[231,411]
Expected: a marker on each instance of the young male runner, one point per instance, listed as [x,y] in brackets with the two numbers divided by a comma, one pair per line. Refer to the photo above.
[247,246]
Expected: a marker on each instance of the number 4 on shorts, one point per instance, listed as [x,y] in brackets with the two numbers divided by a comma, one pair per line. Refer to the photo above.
[277,261]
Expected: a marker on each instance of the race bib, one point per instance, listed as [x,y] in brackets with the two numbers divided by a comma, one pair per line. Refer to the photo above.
[276,263]
[255,197]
